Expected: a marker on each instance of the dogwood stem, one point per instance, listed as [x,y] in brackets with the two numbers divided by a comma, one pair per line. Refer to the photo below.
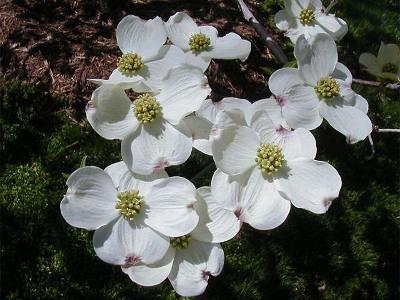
[263,33]
[330,6]
[389,130]
[393,86]
[371,141]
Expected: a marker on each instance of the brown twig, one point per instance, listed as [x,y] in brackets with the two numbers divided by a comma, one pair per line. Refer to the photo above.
[263,33]
[389,130]
[76,143]
[371,142]
[393,86]
[376,129]
[47,64]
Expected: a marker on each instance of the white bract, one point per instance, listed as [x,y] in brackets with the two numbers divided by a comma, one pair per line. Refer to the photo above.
[297,142]
[301,140]
[308,17]
[133,215]
[149,127]
[259,155]
[201,43]
[188,265]
[320,88]
[144,58]
[201,123]
[386,64]
[229,203]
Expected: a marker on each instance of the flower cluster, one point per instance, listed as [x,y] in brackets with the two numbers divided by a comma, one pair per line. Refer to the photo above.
[156,227]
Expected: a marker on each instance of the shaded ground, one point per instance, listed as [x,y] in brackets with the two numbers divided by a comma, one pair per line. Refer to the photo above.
[64,44]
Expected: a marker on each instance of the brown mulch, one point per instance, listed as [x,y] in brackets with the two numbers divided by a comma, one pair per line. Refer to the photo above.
[61,44]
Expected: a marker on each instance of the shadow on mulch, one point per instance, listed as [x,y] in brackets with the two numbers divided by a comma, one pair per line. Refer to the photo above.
[63,43]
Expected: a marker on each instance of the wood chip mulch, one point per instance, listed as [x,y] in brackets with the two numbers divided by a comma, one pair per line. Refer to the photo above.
[61,44]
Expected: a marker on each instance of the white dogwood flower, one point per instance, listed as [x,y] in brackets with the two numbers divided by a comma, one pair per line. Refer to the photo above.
[201,43]
[188,265]
[271,164]
[133,216]
[308,17]
[150,127]
[386,64]
[230,202]
[144,57]
[320,88]
[201,123]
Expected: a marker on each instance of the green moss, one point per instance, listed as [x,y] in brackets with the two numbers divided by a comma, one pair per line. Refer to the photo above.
[24,190]
[27,119]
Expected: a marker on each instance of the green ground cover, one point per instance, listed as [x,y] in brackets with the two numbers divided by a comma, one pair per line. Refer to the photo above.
[352,252]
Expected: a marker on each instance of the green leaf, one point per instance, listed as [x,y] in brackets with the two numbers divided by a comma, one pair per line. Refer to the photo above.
[267,70]
[291,64]
[83,162]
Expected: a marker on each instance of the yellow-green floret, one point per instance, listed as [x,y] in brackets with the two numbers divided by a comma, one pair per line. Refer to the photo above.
[146,108]
[199,42]
[307,16]
[181,242]
[327,88]
[130,63]
[270,158]
[390,68]
[129,204]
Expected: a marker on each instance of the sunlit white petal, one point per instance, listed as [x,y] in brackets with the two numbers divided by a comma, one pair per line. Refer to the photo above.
[183,91]
[234,151]
[301,108]
[216,224]
[230,46]
[348,120]
[142,37]
[90,199]
[169,207]
[316,58]
[332,25]
[200,131]
[210,109]
[155,146]
[180,27]
[193,265]
[110,112]
[149,275]
[262,206]
[167,58]
[129,243]
[309,184]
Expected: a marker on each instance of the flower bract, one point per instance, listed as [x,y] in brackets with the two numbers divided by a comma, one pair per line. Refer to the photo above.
[201,123]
